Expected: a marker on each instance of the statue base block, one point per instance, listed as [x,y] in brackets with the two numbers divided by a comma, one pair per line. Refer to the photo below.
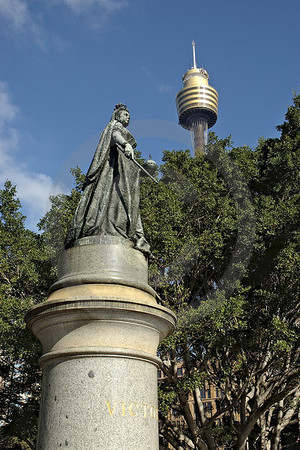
[103,259]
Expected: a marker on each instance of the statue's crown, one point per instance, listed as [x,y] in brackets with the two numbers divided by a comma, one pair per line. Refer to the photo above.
[120,106]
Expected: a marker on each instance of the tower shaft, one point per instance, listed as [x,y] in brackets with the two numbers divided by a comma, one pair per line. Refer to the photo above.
[199,132]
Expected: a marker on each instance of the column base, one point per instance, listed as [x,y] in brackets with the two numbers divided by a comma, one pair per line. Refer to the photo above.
[100,329]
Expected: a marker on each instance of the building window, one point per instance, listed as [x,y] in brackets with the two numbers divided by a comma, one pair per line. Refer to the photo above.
[207,406]
[180,371]
[175,413]
[208,393]
[159,374]
[202,393]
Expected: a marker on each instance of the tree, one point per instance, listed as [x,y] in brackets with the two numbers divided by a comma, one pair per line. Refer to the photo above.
[54,225]
[224,232]
[28,267]
[243,337]
[24,282]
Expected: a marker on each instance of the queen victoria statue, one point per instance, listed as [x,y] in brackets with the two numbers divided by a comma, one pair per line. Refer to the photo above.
[109,205]
[101,324]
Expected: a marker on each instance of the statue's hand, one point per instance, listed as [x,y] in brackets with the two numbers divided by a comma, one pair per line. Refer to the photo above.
[129,151]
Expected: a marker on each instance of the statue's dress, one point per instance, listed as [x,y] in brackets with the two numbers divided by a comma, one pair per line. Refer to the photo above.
[109,205]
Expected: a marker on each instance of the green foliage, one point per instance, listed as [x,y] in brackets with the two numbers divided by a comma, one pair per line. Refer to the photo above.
[223,436]
[24,269]
[27,269]
[224,232]
[56,221]
[235,283]
[190,221]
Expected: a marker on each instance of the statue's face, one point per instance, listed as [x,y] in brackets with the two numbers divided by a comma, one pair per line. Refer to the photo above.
[124,118]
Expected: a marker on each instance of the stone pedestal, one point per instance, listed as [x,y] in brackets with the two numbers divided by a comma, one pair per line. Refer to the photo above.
[100,329]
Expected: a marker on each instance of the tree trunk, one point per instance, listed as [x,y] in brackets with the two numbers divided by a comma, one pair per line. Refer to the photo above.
[241,446]
[263,433]
[275,441]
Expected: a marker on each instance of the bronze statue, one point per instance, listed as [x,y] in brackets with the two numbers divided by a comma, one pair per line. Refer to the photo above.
[110,201]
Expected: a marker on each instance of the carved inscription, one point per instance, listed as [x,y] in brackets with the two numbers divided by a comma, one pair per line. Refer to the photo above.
[132,410]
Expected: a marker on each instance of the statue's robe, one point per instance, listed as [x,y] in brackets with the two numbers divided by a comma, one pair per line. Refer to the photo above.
[110,202]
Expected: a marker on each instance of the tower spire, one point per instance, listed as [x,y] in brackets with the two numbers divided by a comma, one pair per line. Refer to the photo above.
[194,55]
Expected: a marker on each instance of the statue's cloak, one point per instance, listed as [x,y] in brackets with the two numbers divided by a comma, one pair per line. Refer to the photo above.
[110,201]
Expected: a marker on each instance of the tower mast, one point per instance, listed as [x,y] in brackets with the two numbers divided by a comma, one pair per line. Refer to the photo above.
[194,55]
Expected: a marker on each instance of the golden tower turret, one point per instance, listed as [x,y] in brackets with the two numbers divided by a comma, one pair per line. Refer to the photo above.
[197,105]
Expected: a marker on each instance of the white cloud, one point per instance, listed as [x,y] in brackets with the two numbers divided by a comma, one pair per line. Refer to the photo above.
[17,15]
[97,13]
[24,20]
[109,6]
[33,188]
[161,87]
[15,11]
[8,110]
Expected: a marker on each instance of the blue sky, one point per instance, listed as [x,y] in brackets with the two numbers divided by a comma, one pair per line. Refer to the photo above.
[66,63]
